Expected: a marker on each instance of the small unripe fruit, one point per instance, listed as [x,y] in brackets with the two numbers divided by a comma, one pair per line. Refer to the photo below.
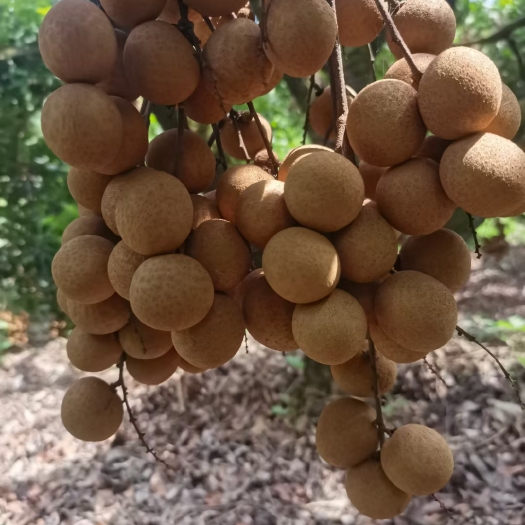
[400,70]
[88,225]
[153,371]
[358,21]
[122,265]
[93,353]
[143,342]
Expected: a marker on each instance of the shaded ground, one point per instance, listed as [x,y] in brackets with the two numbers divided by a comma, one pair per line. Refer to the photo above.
[237,461]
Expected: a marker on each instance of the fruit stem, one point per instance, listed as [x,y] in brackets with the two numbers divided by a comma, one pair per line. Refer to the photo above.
[474,235]
[372,62]
[307,116]
[267,144]
[234,117]
[380,422]
[218,141]
[145,111]
[179,147]
[434,371]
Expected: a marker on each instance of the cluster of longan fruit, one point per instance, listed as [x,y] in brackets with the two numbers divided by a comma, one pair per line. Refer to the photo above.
[161,270]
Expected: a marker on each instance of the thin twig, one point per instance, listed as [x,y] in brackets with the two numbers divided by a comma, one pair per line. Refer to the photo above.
[474,235]
[307,116]
[218,141]
[372,62]
[381,429]
[512,381]
[435,372]
[179,147]
[398,39]
[500,34]
[208,22]
[273,161]
[234,117]
[211,140]
[451,514]
[246,343]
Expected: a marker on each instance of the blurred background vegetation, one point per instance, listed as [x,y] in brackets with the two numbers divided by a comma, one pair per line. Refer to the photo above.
[35,205]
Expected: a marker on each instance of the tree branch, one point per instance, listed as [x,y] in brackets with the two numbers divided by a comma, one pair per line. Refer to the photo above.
[500,34]
[472,228]
[274,162]
[381,429]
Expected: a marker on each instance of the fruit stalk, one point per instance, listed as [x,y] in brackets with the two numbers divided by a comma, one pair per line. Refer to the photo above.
[307,116]
[179,148]
[267,145]
[474,235]
[380,422]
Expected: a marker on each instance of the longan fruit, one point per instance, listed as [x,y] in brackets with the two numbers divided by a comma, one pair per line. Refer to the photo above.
[131,13]
[77,42]
[190,369]
[400,70]
[204,107]
[364,293]
[508,120]
[295,155]
[346,434]
[371,175]
[91,410]
[321,115]
[140,341]
[122,265]
[214,8]
[390,349]
[87,188]
[358,21]
[433,148]
[416,311]
[84,212]
[240,291]
[417,460]
[153,372]
[301,265]
[93,353]
[88,225]
[80,269]
[203,210]
[62,301]
[274,81]
[171,292]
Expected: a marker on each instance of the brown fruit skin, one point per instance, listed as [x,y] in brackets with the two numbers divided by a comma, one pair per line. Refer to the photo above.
[299,39]
[154,213]
[80,269]
[346,434]
[116,83]
[411,198]
[416,311]
[171,13]
[143,342]
[91,410]
[324,191]
[372,493]
[77,42]
[197,169]
[214,8]
[356,378]
[216,339]
[217,245]
[204,107]
[427,26]
[236,69]
[508,120]
[274,81]
[433,148]
[171,292]
[122,265]
[250,135]
[100,318]
[203,210]
[261,212]
[390,349]
[294,155]
[485,175]
[93,353]
[239,292]
[160,64]
[364,293]
[153,372]
[331,331]
[417,460]
[460,93]
[82,126]
[86,225]
[84,212]
[371,175]
[358,21]
[443,255]
[190,369]
[62,301]
[87,188]
[367,247]
[321,114]
[268,317]
[400,70]
[301,265]
[128,14]
[384,124]
[231,185]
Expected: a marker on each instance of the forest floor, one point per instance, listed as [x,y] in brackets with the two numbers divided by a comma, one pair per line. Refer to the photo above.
[240,440]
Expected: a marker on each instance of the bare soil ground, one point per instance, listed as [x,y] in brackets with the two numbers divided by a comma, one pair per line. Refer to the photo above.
[235,459]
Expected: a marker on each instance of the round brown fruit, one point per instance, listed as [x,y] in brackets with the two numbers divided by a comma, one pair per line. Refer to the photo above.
[160,63]
[236,69]
[274,81]
[268,317]
[331,331]
[324,191]
[231,185]
[100,318]
[226,256]
[84,212]
[204,107]
[82,126]
[122,265]
[131,13]
[364,293]
[384,124]
[261,212]
[372,493]
[508,120]
[346,434]
[62,301]
[190,369]
[416,311]
[93,353]
[197,169]
[371,175]
[443,255]
[240,291]
[400,70]
[142,342]
[301,265]
[427,26]
[216,339]
[250,135]
[298,153]
[203,210]
[417,460]
[460,93]
[91,410]
[88,225]
[299,39]
[77,42]
[367,247]
[485,175]
[153,372]
[390,349]
[358,21]
[411,198]
[321,115]
[433,148]
[171,292]
[87,188]
[154,213]
[80,269]
[214,8]
[356,376]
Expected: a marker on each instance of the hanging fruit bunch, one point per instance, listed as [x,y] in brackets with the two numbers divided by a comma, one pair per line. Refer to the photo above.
[159,272]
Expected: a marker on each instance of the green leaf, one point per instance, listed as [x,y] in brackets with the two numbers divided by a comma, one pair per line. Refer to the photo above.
[295,361]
